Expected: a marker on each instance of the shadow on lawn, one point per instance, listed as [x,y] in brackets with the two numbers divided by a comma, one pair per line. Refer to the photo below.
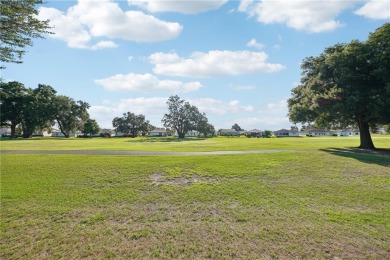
[166,140]
[378,156]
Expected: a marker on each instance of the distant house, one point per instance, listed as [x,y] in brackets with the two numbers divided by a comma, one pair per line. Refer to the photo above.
[254,133]
[5,131]
[285,133]
[229,132]
[347,132]
[157,132]
[107,131]
[192,133]
[58,133]
[317,132]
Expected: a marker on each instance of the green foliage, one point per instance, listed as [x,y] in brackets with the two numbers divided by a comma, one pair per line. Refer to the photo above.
[131,124]
[69,114]
[91,127]
[237,127]
[12,97]
[346,84]
[19,25]
[183,117]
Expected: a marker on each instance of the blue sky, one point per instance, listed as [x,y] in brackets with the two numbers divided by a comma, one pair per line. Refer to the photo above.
[237,61]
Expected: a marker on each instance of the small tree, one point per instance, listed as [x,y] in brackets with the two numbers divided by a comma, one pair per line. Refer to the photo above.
[267,134]
[130,124]
[69,114]
[237,127]
[91,127]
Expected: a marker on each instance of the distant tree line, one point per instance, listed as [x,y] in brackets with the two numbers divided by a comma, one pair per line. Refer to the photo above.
[41,108]
[182,117]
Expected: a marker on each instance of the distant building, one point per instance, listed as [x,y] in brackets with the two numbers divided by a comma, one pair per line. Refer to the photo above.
[285,133]
[157,132]
[254,133]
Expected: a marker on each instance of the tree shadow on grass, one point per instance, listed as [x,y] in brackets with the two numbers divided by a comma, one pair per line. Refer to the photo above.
[378,156]
[166,140]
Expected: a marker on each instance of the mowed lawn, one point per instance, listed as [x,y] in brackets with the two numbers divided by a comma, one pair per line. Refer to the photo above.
[189,144]
[319,199]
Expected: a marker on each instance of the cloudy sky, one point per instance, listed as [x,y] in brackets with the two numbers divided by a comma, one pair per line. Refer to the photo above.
[237,61]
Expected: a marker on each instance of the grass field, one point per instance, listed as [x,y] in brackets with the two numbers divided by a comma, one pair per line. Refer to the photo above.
[325,201]
[189,144]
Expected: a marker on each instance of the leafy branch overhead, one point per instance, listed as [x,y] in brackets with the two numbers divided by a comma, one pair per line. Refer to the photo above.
[19,24]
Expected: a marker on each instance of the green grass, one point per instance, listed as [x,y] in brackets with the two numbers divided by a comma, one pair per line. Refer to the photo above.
[189,144]
[312,205]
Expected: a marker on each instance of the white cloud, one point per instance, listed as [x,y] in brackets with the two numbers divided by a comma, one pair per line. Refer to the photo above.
[103,45]
[254,44]
[88,20]
[145,83]
[375,9]
[279,107]
[311,16]
[182,6]
[213,63]
[153,109]
[220,107]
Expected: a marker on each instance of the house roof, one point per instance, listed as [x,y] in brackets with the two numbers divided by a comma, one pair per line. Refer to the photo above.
[228,130]
[285,131]
[158,131]
[255,131]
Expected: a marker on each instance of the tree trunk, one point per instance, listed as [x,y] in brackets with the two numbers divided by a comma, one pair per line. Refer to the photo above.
[181,135]
[13,130]
[365,136]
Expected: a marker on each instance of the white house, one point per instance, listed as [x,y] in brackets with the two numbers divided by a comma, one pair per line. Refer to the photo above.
[157,132]
[254,132]
[317,132]
[5,131]
[347,132]
[192,133]
[285,133]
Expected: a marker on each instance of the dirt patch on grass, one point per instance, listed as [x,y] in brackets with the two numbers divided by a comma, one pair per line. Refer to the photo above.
[164,179]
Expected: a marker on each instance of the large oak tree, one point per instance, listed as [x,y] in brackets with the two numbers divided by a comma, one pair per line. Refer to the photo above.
[182,116]
[347,84]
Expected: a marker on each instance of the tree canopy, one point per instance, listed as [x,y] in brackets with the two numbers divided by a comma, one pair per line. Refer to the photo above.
[182,116]
[39,108]
[347,84]
[91,127]
[19,25]
[130,124]
[237,127]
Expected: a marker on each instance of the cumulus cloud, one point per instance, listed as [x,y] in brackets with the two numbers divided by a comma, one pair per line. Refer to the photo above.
[213,63]
[375,9]
[220,107]
[88,20]
[254,44]
[279,107]
[183,6]
[145,83]
[310,16]
[154,109]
